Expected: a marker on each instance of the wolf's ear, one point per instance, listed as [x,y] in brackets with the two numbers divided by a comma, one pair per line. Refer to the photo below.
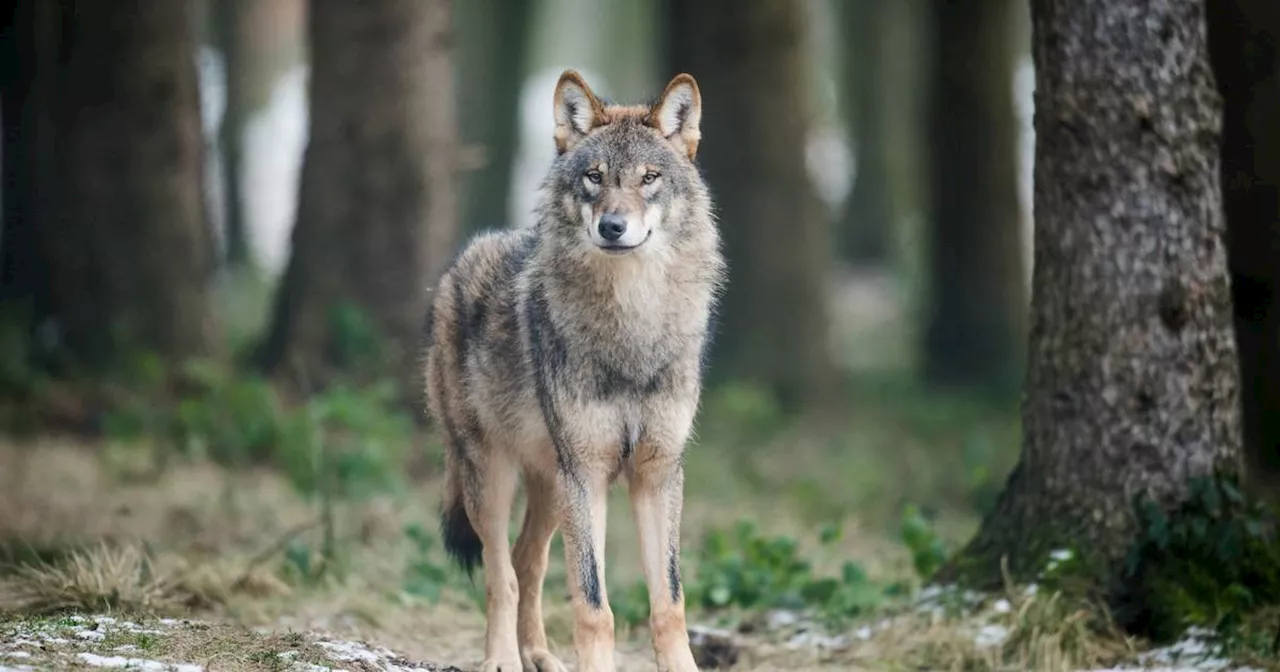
[678,114]
[577,110]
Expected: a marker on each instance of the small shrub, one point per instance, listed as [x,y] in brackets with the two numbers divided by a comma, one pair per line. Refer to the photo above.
[1213,562]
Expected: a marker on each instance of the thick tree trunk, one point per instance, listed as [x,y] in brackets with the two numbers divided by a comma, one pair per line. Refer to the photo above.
[377,207]
[1246,61]
[1132,381]
[128,250]
[752,66]
[976,298]
[493,38]
[866,227]
[25,114]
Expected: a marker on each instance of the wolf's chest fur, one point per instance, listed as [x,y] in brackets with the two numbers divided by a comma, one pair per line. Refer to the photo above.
[626,325]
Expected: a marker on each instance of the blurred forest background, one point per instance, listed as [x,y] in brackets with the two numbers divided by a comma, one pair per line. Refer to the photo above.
[222,218]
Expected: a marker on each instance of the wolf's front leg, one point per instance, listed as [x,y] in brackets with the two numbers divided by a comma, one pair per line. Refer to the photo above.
[582,524]
[657,491]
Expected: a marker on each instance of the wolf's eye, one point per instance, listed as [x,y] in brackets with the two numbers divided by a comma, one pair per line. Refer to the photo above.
[595,176]
[650,177]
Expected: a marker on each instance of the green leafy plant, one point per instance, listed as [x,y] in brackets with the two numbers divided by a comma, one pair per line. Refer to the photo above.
[741,568]
[928,551]
[1213,561]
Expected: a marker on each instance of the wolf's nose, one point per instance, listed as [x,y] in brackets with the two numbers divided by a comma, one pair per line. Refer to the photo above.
[612,227]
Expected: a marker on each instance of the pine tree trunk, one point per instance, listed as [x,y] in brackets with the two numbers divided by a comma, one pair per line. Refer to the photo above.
[976,298]
[128,250]
[1246,61]
[377,207]
[751,63]
[1132,381]
[493,36]
[866,226]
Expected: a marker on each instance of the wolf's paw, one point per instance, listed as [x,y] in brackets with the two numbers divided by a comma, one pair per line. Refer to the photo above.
[504,665]
[541,660]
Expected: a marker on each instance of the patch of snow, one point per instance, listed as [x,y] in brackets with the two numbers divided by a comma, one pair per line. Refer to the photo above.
[15,654]
[135,663]
[807,639]
[20,668]
[1002,606]
[781,618]
[345,651]
[864,633]
[95,635]
[991,635]
[125,647]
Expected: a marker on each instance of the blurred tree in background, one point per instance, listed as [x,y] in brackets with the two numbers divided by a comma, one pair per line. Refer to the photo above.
[750,60]
[109,244]
[1244,42]
[1132,381]
[976,297]
[493,38]
[866,227]
[377,208]
[253,58]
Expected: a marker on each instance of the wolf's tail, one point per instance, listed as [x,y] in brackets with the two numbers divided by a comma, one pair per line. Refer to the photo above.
[460,539]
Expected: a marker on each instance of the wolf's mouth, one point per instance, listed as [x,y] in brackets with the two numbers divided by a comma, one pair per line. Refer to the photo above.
[623,249]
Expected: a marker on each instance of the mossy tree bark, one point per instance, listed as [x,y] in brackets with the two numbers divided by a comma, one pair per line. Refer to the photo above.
[976,298]
[752,66]
[865,229]
[1245,54]
[120,227]
[377,207]
[1132,381]
[493,38]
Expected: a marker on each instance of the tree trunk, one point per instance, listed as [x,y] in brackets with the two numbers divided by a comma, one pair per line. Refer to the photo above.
[493,39]
[25,114]
[377,207]
[1246,61]
[751,62]
[866,226]
[128,251]
[1132,381]
[976,298]
[228,23]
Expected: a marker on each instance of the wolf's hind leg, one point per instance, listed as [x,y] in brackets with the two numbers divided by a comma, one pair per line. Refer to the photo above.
[656,489]
[489,498]
[582,508]
[530,559]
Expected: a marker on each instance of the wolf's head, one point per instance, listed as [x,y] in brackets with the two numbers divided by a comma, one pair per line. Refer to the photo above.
[624,176]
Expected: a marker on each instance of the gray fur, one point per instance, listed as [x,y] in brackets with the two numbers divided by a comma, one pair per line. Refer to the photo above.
[558,359]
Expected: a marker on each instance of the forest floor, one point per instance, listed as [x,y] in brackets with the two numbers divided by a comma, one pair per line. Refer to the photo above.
[107,564]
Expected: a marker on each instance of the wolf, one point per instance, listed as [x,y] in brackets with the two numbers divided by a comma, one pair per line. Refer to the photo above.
[571,352]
